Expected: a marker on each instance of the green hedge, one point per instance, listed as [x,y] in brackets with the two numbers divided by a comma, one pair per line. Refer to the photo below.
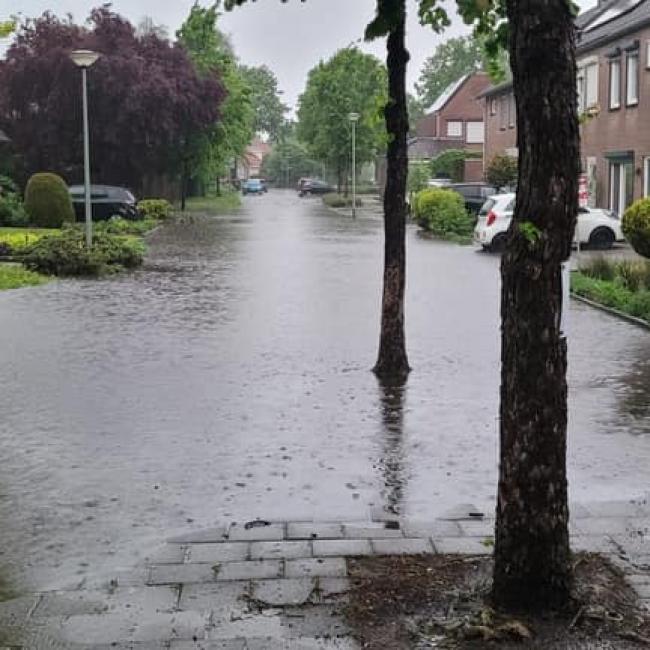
[622,285]
[66,254]
[339,201]
[155,208]
[442,212]
[47,201]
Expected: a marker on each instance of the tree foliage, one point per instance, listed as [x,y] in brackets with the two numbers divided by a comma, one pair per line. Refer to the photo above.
[269,110]
[211,51]
[349,82]
[147,101]
[501,171]
[451,60]
[288,161]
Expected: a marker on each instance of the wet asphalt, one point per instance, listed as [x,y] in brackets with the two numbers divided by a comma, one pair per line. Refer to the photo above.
[229,379]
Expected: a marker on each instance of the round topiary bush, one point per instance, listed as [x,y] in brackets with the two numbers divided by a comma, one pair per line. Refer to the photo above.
[442,212]
[636,226]
[47,201]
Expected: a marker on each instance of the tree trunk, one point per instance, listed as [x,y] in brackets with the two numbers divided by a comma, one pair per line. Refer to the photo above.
[392,360]
[339,181]
[532,560]
[183,186]
[218,186]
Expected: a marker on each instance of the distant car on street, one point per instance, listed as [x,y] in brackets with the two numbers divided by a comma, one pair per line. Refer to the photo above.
[253,186]
[106,201]
[314,186]
[474,194]
[597,228]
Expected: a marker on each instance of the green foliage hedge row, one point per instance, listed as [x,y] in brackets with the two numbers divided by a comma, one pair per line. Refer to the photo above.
[613,294]
[66,254]
[120,226]
[636,226]
[47,201]
[442,212]
[339,201]
[155,208]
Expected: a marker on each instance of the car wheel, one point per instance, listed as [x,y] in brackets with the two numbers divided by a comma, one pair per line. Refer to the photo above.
[498,243]
[601,239]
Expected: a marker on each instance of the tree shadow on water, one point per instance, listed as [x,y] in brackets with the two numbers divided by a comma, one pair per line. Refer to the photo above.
[391,463]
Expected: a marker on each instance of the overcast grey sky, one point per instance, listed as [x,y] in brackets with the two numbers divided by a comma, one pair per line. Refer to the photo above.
[289,38]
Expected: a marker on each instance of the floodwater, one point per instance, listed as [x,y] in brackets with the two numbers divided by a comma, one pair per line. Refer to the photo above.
[230,379]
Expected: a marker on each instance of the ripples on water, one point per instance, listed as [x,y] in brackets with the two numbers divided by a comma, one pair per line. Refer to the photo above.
[229,379]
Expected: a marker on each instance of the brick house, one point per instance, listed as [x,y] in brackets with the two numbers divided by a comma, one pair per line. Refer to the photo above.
[613,59]
[455,121]
[250,164]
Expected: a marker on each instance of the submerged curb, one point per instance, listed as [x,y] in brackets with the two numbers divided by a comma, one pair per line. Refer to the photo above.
[613,312]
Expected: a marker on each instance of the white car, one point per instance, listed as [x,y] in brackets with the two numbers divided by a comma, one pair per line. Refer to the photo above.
[596,227]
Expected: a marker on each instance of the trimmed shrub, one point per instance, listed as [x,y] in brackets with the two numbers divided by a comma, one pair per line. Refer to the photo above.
[66,254]
[501,171]
[47,201]
[442,212]
[339,201]
[636,226]
[155,208]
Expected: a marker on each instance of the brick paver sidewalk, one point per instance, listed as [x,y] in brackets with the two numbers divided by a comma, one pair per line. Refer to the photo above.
[272,585]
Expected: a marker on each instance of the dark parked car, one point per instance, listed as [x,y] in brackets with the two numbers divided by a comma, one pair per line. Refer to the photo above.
[106,202]
[312,186]
[474,194]
[253,186]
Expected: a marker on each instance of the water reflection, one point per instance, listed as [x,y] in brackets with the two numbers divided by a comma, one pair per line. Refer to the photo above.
[392,396]
[634,403]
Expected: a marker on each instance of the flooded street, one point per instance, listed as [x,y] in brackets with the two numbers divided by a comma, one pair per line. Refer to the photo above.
[230,379]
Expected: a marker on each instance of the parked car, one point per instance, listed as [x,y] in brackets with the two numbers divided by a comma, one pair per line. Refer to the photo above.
[253,186]
[314,186]
[474,194]
[596,227]
[106,201]
[439,182]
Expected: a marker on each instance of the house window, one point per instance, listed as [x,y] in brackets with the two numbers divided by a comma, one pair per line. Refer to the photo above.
[621,186]
[455,129]
[493,106]
[512,111]
[647,54]
[614,84]
[632,85]
[646,176]
[588,86]
[474,133]
[503,112]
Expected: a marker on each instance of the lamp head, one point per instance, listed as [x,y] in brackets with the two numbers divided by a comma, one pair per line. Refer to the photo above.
[84,58]
[353,117]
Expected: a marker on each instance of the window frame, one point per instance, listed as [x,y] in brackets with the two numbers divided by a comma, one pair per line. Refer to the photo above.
[512,111]
[614,64]
[503,112]
[632,55]
[460,129]
[481,125]
[646,176]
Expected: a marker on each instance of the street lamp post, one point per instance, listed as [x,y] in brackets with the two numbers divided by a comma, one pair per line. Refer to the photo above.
[84,59]
[354,118]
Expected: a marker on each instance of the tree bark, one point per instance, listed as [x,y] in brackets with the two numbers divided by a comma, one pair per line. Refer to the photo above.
[532,559]
[392,360]
[218,186]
